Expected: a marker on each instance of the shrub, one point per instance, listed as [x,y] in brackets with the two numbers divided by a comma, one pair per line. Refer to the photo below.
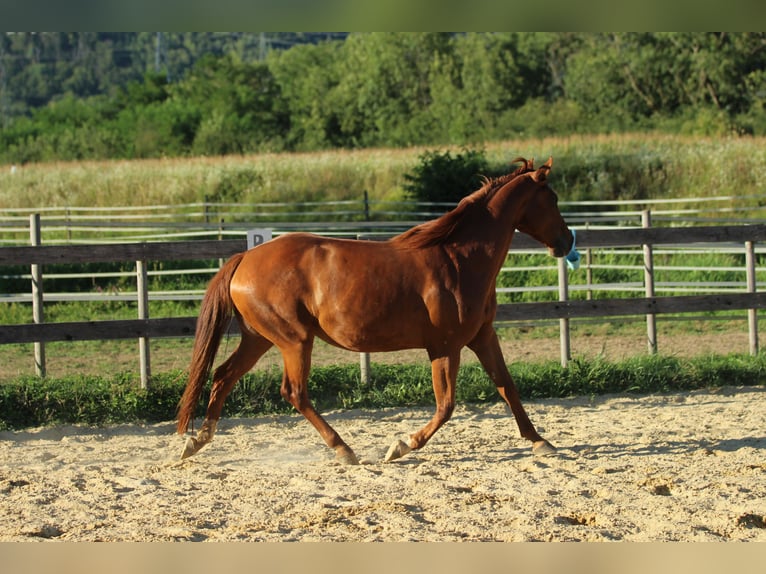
[444,177]
[235,184]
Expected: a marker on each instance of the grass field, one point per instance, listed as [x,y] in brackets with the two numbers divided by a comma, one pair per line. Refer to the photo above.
[595,167]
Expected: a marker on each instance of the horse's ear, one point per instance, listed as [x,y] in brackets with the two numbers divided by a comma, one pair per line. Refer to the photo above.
[529,164]
[541,175]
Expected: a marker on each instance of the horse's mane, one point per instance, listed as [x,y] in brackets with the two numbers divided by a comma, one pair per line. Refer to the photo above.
[438,231]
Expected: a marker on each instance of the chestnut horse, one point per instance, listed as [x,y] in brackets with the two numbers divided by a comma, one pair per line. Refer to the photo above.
[432,287]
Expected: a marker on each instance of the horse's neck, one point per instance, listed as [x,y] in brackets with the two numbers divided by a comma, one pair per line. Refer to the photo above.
[484,244]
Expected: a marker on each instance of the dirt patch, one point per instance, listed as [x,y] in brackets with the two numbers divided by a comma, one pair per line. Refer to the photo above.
[680,467]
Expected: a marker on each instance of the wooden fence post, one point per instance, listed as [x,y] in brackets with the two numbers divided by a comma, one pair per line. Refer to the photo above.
[651,319]
[221,260]
[37,293]
[364,358]
[564,323]
[143,313]
[752,314]
[68,225]
[588,269]
[364,367]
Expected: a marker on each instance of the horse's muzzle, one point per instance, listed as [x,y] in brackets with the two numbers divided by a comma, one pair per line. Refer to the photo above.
[564,244]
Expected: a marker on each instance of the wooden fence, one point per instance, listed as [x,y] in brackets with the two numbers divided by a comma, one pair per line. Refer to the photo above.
[144,328]
[214,220]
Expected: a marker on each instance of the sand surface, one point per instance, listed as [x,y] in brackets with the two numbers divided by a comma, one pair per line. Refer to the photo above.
[679,467]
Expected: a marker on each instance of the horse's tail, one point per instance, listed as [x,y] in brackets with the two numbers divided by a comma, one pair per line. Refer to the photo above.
[215,314]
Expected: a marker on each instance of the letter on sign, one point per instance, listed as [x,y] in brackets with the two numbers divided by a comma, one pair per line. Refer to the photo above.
[257,236]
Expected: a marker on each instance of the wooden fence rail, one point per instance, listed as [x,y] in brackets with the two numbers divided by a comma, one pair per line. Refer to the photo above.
[93,224]
[145,328]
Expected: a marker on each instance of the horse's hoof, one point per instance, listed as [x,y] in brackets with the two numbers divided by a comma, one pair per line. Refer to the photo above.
[346,456]
[397,450]
[543,448]
[190,448]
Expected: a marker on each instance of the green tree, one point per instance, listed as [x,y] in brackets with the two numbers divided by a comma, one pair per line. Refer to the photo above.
[596,80]
[485,76]
[307,75]
[384,91]
[239,106]
[624,80]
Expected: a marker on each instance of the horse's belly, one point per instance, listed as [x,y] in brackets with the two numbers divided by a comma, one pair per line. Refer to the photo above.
[394,327]
[366,335]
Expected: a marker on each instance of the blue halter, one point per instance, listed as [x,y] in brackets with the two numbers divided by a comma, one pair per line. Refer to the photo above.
[573,257]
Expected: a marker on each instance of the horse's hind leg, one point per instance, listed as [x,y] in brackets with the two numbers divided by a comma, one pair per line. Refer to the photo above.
[444,375]
[487,349]
[250,349]
[295,391]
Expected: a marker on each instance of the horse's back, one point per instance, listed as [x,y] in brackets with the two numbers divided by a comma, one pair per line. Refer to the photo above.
[311,255]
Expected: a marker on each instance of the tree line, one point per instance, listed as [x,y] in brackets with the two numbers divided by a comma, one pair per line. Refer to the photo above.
[69,96]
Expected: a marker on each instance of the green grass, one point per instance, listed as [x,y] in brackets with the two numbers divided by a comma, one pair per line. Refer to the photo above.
[99,400]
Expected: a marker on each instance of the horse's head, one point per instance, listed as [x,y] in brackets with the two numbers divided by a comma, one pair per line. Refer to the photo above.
[540,216]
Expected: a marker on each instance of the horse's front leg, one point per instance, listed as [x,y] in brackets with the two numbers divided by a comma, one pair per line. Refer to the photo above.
[444,374]
[487,348]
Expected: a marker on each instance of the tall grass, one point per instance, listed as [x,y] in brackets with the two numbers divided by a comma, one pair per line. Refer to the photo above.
[585,167]
[660,165]
[329,176]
